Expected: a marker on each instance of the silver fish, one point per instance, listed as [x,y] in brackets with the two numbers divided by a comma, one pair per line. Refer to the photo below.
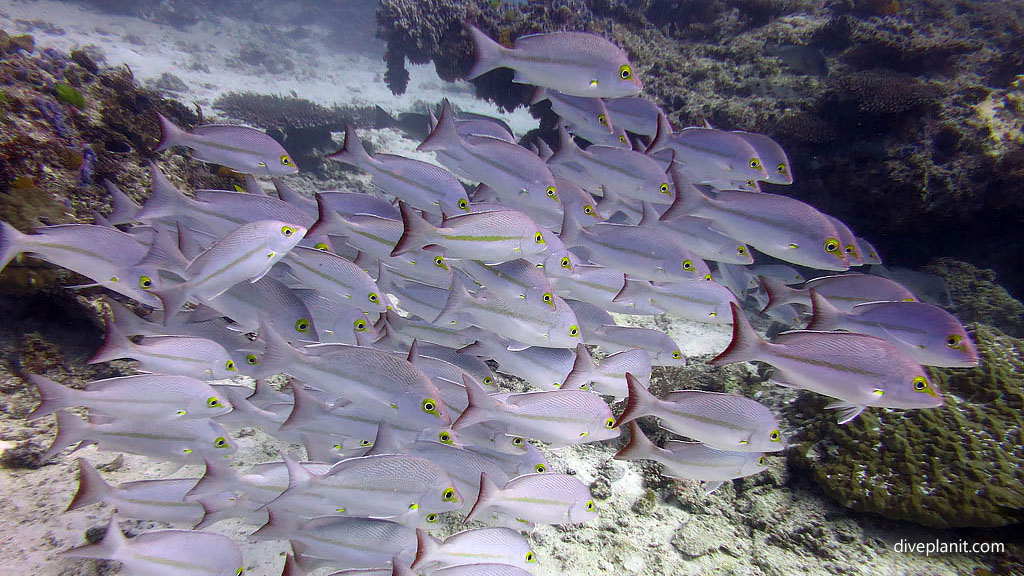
[543,368]
[566,500]
[776,163]
[635,114]
[337,322]
[512,279]
[574,63]
[664,351]
[608,377]
[848,240]
[342,541]
[707,155]
[96,252]
[697,300]
[155,500]
[576,110]
[844,291]
[240,148]
[699,236]
[331,274]
[498,545]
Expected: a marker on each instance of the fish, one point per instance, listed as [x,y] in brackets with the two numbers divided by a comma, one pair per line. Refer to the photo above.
[494,545]
[598,286]
[422,185]
[857,370]
[574,63]
[776,163]
[247,253]
[565,500]
[635,114]
[697,300]
[663,350]
[848,240]
[608,377]
[867,252]
[96,252]
[341,541]
[779,226]
[692,460]
[558,417]
[337,322]
[470,363]
[541,367]
[803,59]
[929,288]
[844,291]
[578,201]
[332,274]
[925,332]
[174,440]
[247,302]
[721,421]
[699,236]
[165,552]
[142,397]
[785,274]
[578,111]
[155,500]
[479,569]
[240,148]
[709,155]
[512,279]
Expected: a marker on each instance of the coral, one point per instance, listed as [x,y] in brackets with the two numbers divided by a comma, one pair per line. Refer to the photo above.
[961,465]
[879,92]
[977,297]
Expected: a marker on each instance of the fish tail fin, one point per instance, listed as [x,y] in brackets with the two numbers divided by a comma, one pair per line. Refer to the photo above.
[298,477]
[125,208]
[115,342]
[458,297]
[632,290]
[303,409]
[278,355]
[165,200]
[824,316]
[426,547]
[571,229]
[638,448]
[416,232]
[583,369]
[70,429]
[386,441]
[488,493]
[745,343]
[170,134]
[53,396]
[489,54]
[444,135]
[778,293]
[108,548]
[12,243]
[688,198]
[660,140]
[91,487]
[481,405]
[352,152]
[213,512]
[218,477]
[328,220]
[640,401]
[568,150]
[279,525]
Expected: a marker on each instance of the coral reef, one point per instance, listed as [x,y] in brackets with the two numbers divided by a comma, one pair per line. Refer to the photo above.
[958,466]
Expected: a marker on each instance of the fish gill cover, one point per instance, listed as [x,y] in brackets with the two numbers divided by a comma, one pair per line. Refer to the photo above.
[381,306]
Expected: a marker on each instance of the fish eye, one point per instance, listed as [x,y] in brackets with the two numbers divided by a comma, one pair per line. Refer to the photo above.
[540,468]
[145,282]
[548,299]
[921,385]
[430,407]
[220,442]
[953,340]
[445,437]
[431,518]
[239,571]
[302,325]
[439,262]
[488,380]
[781,168]
[590,506]
[530,557]
[775,436]
[538,238]
[463,204]
[448,495]
[518,441]
[360,325]
[287,231]
[230,365]
[665,189]
[755,163]
[609,423]
[688,265]
[762,461]
[588,210]
[794,245]
[602,119]
[551,193]
[622,138]
[213,402]
[365,443]
[676,354]
[322,246]
[372,296]
[741,250]
[574,330]
[565,263]
[851,250]
[286,160]
[707,277]
[625,72]
[252,360]
[831,245]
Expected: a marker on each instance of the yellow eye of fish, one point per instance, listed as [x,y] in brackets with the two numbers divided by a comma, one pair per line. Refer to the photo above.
[488,380]
[302,325]
[145,282]
[665,189]
[550,193]
[445,437]
[622,138]
[540,468]
[220,442]
[365,443]
[601,119]
[239,571]
[530,558]
[688,265]
[372,296]
[921,385]
[431,518]
[213,402]
[677,354]
[590,505]
[430,407]
[588,210]
[953,341]
[538,238]
[794,245]
[360,325]
[548,299]
[230,365]
[609,423]
[741,250]
[322,246]
[287,231]
[252,360]
[517,441]
[574,330]
[566,263]
[463,204]
[775,436]
[762,461]
[831,245]
[781,168]
[707,277]
[448,495]
[625,72]
[755,163]
[286,160]
[439,262]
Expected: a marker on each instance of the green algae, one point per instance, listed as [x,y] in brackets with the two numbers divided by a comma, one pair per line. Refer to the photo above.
[67,94]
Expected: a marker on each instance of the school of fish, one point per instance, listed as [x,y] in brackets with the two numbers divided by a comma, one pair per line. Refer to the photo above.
[383,306]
